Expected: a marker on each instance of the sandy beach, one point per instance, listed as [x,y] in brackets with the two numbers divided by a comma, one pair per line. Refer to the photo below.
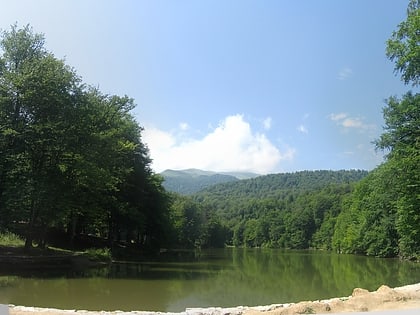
[361,300]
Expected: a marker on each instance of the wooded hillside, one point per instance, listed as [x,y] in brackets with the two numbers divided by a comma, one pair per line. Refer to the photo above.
[293,210]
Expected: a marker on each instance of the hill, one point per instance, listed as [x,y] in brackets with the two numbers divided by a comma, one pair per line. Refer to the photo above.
[275,185]
[292,210]
[189,181]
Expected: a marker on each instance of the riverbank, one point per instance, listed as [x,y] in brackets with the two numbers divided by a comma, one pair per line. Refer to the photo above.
[385,298]
[17,258]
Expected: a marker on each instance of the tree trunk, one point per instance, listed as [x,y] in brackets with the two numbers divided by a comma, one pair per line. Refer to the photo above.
[31,226]
[73,225]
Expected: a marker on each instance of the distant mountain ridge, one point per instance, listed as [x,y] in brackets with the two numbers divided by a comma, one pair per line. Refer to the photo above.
[273,185]
[192,180]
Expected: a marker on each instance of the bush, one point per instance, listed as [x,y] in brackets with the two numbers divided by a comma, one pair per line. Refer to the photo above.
[99,254]
[11,239]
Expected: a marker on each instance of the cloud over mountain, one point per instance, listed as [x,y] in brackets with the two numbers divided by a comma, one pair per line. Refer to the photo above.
[231,146]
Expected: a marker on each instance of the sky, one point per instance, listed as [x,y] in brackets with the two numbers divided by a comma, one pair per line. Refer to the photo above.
[265,86]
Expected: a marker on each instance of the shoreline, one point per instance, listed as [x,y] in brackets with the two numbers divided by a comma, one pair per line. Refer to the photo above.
[385,298]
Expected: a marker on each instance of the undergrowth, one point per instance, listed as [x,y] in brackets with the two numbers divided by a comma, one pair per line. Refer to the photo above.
[11,239]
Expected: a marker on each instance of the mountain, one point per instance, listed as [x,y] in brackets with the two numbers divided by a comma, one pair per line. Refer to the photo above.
[190,181]
[290,210]
[273,185]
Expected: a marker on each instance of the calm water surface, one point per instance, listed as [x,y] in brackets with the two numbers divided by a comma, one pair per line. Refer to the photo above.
[226,277]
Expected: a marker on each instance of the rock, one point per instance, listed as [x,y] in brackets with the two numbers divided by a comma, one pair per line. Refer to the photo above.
[359,292]
[384,289]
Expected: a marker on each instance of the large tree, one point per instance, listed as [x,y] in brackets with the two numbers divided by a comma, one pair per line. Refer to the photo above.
[402,141]
[37,94]
[402,131]
[404,45]
[71,157]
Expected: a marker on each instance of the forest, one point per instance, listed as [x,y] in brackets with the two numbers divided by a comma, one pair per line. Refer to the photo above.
[75,172]
[292,210]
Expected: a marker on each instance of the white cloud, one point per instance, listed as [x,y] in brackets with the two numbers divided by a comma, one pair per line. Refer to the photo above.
[345,73]
[344,120]
[302,129]
[339,116]
[184,126]
[230,146]
[267,123]
[352,123]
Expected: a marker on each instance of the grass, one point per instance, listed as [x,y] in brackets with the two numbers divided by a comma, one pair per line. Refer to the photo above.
[99,254]
[11,240]
[15,245]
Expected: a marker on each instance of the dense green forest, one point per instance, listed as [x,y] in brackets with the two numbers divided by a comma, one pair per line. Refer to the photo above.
[73,168]
[292,210]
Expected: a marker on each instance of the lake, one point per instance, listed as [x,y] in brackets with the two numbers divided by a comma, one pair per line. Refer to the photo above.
[224,277]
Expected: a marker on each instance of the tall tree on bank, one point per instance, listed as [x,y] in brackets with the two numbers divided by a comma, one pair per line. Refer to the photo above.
[402,140]
[383,214]
[37,93]
[404,46]
[402,131]
[68,151]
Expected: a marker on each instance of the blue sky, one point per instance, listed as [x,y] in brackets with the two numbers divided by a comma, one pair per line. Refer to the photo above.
[241,85]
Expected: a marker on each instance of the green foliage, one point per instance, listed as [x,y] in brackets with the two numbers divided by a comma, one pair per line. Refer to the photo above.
[401,132]
[284,210]
[407,172]
[403,46]
[71,157]
[367,223]
[187,218]
[98,254]
[194,225]
[382,217]
[268,186]
[11,239]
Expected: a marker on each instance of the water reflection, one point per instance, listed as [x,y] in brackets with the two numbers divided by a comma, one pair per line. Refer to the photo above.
[227,277]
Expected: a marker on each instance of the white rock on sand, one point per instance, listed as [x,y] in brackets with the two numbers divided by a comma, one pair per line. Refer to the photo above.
[385,298]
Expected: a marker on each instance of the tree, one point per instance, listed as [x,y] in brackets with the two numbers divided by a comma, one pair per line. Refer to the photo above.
[401,137]
[71,157]
[37,92]
[187,219]
[402,121]
[404,45]
[366,224]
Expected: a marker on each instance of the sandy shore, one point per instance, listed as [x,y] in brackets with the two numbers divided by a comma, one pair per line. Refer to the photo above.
[385,298]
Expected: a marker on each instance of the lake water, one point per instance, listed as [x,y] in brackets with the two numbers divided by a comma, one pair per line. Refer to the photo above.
[226,277]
